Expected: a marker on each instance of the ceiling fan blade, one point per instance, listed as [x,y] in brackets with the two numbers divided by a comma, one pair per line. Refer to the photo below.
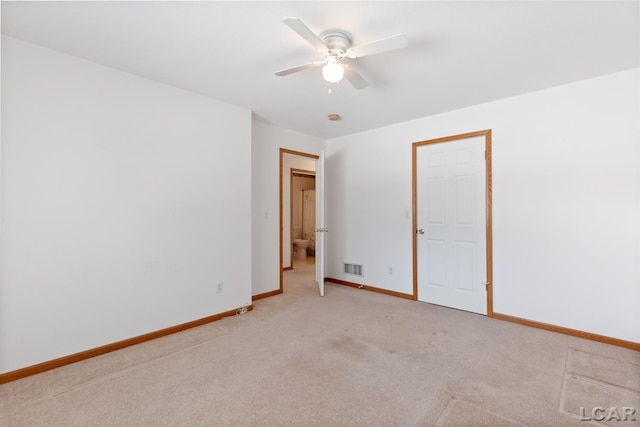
[354,77]
[397,41]
[302,67]
[303,31]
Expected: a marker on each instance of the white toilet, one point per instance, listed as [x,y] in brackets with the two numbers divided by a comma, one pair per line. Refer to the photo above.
[300,248]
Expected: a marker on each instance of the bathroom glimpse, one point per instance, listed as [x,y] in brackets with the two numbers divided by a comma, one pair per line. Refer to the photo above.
[303,215]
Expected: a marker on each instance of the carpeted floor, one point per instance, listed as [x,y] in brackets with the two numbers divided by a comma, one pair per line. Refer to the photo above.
[352,358]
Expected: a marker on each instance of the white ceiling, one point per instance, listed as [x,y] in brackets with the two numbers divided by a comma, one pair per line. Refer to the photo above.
[459,54]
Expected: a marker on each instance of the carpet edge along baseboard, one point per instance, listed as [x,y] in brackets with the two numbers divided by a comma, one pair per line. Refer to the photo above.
[568,331]
[507,318]
[87,354]
[369,288]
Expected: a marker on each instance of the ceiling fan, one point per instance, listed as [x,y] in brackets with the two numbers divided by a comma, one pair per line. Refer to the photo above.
[335,45]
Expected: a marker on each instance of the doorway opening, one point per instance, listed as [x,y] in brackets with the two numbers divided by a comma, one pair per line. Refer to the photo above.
[303,217]
[301,167]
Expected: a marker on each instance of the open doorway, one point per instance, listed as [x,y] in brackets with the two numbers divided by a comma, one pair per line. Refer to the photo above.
[303,217]
[297,170]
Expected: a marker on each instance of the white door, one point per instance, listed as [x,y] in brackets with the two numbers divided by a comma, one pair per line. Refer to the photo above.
[320,225]
[451,222]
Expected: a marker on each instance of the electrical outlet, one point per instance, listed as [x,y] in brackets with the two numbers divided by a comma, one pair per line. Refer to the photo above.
[390,270]
[220,288]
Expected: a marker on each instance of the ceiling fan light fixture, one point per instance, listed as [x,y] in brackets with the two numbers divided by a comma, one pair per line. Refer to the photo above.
[333,72]
[335,45]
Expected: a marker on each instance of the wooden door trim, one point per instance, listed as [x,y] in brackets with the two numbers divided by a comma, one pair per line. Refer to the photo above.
[488,206]
[282,152]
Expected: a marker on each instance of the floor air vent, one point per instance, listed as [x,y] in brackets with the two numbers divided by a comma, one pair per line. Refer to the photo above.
[353,269]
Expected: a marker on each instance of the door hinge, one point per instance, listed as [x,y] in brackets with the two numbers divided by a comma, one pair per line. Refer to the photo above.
[486,285]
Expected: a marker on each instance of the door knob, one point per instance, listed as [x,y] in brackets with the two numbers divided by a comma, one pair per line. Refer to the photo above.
[420,231]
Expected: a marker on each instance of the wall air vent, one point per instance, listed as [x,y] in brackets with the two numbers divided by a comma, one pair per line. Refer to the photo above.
[355,269]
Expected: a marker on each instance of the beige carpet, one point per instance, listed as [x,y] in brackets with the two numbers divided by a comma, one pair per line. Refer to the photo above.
[352,358]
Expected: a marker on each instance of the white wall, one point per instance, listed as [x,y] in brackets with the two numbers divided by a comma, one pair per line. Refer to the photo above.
[124,203]
[566,202]
[265,158]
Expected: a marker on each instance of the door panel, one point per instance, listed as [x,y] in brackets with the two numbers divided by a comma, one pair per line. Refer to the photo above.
[436,272]
[435,201]
[450,207]
[320,225]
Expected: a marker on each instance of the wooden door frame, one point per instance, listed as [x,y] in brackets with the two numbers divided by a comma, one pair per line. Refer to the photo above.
[488,204]
[282,152]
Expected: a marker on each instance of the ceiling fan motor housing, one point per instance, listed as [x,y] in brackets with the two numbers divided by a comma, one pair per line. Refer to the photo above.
[337,42]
